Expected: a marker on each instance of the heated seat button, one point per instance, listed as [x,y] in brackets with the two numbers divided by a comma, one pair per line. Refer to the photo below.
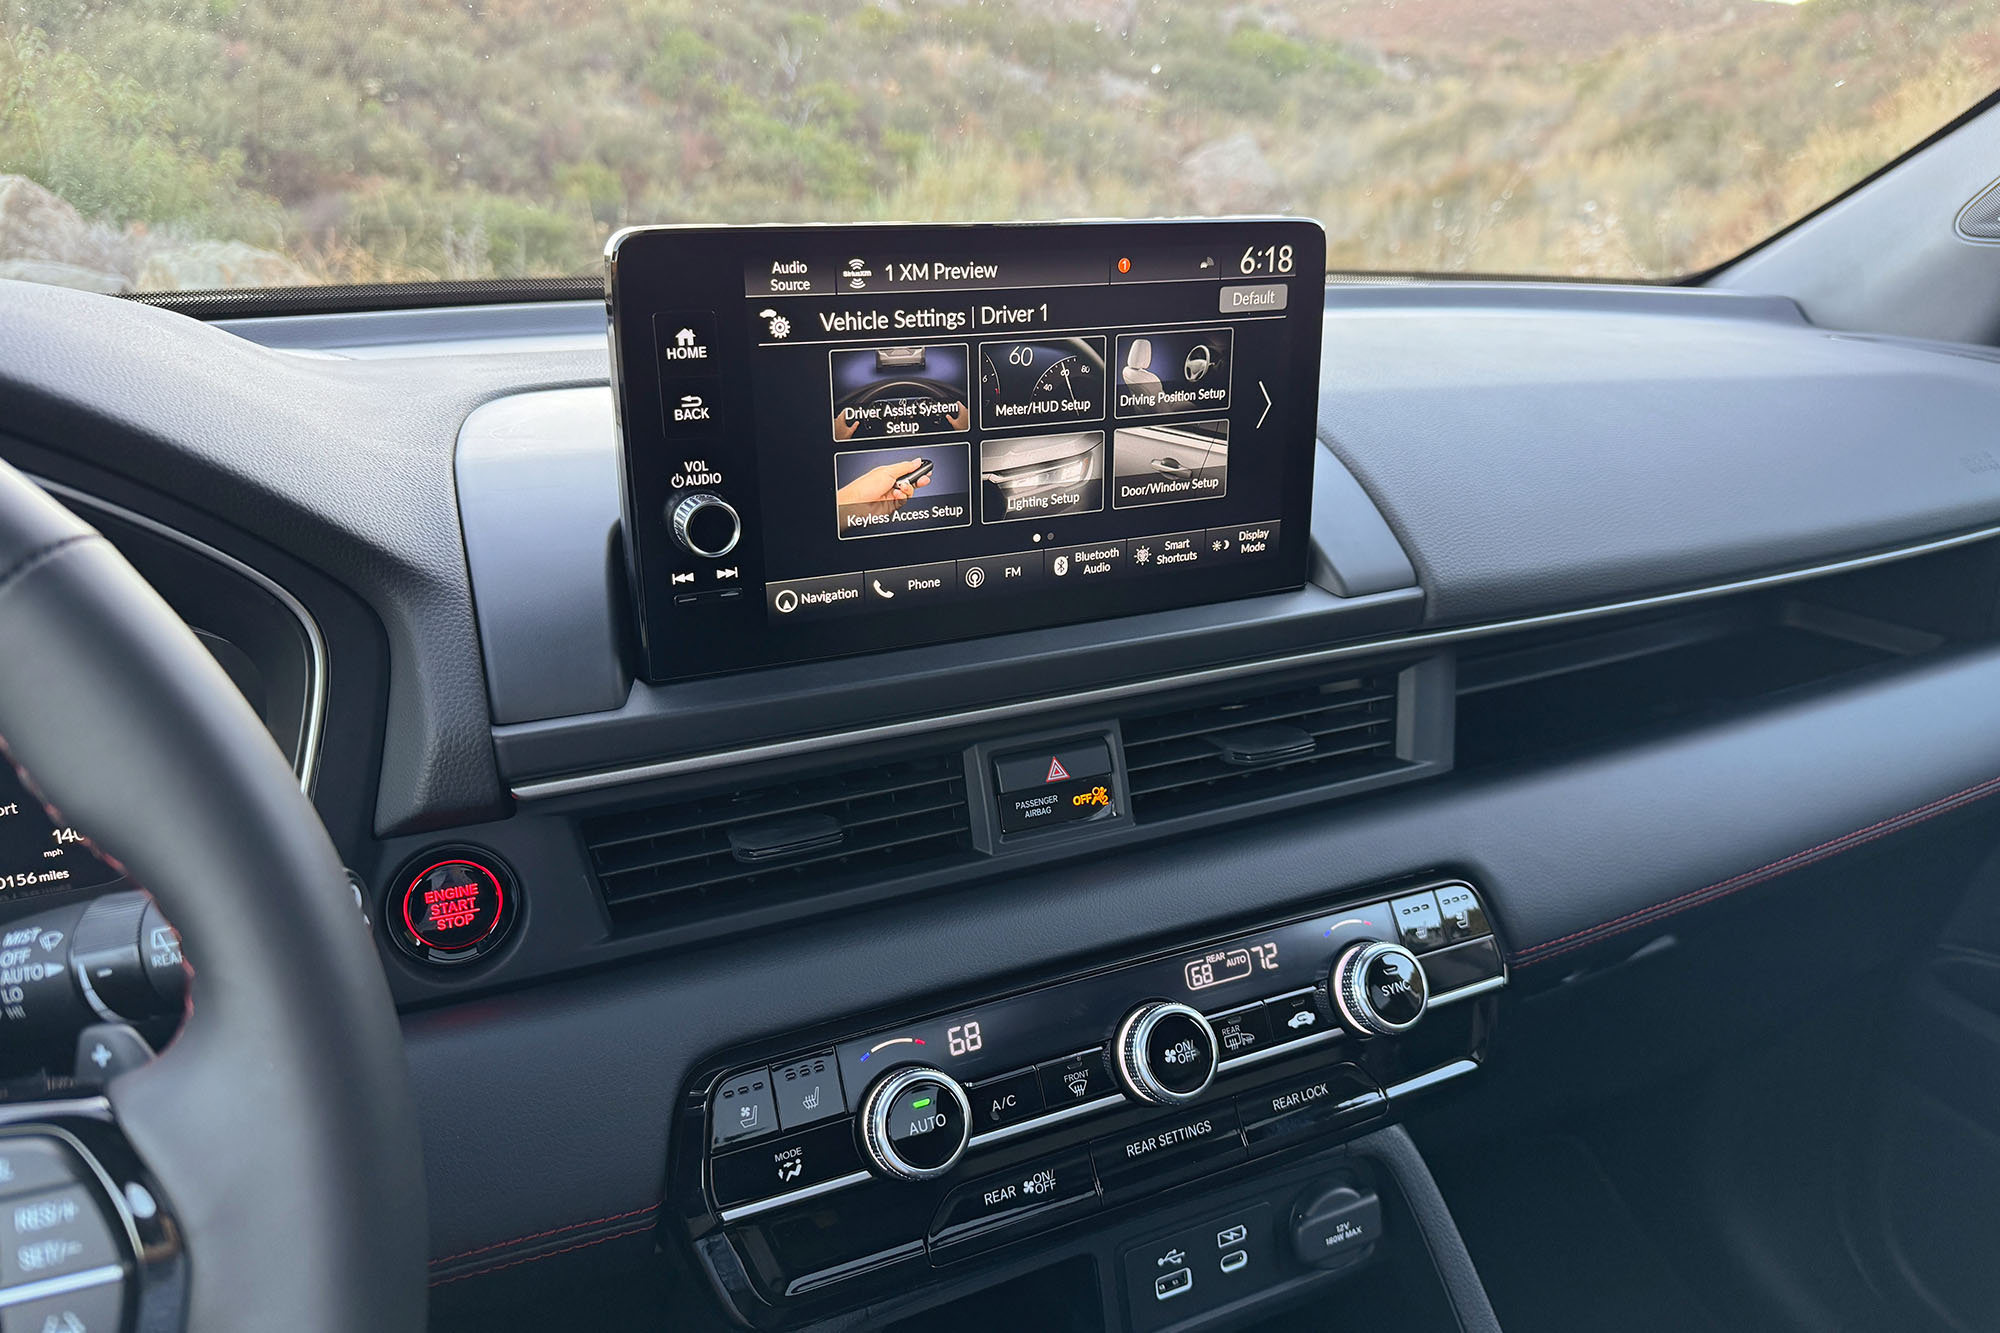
[779,1166]
[1464,918]
[999,1102]
[1083,1077]
[1420,921]
[1311,1108]
[742,1108]
[53,1235]
[1197,1140]
[1038,1189]
[807,1091]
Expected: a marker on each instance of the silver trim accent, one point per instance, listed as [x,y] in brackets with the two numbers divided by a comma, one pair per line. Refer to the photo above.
[1425,1082]
[1350,993]
[309,743]
[597,780]
[780,1200]
[90,994]
[1466,992]
[1135,1071]
[1091,1107]
[61,1286]
[688,507]
[875,1121]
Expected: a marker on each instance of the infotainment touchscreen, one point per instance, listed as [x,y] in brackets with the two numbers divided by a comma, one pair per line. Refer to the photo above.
[845,439]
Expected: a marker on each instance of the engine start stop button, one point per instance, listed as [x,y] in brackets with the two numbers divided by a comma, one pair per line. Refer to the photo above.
[452,906]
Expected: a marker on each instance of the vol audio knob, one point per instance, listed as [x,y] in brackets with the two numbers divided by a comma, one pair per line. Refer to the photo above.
[705,524]
[1378,989]
[1166,1053]
[915,1123]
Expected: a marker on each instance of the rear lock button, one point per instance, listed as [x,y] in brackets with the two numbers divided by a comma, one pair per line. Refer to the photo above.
[453,906]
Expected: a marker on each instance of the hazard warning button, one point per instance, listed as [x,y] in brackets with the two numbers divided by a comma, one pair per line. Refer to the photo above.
[1067,762]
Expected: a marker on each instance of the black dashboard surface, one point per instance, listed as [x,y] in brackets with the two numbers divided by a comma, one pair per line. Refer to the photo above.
[1535,450]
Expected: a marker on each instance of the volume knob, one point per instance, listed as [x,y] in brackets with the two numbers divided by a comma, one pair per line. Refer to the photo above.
[915,1123]
[706,525]
[1378,989]
[1166,1053]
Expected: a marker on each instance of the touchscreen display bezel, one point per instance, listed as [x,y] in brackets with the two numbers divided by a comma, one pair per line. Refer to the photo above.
[700,617]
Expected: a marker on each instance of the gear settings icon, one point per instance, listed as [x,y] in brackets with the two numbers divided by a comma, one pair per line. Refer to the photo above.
[780,326]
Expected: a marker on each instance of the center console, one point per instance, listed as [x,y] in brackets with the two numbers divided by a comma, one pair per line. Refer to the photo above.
[835,1170]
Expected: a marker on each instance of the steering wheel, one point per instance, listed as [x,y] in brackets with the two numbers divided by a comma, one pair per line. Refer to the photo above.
[278,1127]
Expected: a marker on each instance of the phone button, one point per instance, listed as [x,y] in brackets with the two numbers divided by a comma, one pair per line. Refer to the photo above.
[910,585]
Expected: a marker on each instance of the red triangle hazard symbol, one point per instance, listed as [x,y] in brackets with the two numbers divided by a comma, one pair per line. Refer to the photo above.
[1057,773]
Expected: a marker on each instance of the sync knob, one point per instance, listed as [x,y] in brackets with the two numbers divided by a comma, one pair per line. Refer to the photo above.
[1378,989]
[705,525]
[1166,1053]
[915,1123]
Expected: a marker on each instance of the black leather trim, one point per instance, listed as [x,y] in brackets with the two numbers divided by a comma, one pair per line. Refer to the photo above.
[279,1121]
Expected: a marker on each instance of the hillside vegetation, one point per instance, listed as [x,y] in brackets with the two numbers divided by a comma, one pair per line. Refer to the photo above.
[375,140]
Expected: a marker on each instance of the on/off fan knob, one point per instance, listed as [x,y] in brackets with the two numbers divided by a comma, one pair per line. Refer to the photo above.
[1166,1053]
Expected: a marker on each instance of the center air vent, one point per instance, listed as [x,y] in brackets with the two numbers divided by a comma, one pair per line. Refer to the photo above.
[716,855]
[1304,738]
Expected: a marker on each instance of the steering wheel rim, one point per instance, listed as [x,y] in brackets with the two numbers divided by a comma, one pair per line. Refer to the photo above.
[279,1122]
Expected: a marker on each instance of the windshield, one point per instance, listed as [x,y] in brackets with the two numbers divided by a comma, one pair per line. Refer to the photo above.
[156,145]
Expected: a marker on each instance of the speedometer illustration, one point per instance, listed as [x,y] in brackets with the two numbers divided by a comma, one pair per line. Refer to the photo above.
[1041,381]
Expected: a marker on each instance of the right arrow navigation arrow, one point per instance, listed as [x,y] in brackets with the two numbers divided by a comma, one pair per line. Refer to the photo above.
[1267,404]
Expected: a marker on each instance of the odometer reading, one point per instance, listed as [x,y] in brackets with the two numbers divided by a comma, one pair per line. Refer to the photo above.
[38,855]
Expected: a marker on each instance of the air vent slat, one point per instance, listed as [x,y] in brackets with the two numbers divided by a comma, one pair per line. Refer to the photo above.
[676,862]
[1181,762]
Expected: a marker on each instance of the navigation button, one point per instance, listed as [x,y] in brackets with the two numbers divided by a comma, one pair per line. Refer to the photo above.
[999,574]
[1200,1139]
[808,1091]
[742,1108]
[1035,1189]
[1245,541]
[793,1162]
[1087,564]
[1005,1101]
[813,599]
[1171,552]
[1083,1077]
[910,585]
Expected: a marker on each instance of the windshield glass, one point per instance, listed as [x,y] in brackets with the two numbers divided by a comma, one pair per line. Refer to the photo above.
[171,145]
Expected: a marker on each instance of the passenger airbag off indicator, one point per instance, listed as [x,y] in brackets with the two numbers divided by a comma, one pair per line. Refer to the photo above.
[452,905]
[1066,783]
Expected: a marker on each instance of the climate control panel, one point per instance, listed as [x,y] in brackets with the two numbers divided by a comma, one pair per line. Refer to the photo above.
[942,1137]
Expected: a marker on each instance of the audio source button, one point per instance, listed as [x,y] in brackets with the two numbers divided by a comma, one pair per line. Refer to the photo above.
[800,601]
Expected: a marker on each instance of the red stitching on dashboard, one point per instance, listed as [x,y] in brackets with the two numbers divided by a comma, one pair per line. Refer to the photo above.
[542,1235]
[1540,953]
[537,1258]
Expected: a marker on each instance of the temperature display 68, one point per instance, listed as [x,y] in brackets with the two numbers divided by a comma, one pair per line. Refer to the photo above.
[1218,967]
[36,854]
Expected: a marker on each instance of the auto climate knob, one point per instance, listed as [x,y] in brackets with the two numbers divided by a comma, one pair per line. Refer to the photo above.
[706,525]
[1378,989]
[1166,1053]
[915,1123]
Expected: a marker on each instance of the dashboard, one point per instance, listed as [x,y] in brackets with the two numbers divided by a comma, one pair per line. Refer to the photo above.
[1240,715]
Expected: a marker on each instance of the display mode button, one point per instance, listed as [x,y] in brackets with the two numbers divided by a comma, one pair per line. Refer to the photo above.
[1246,541]
[780,1166]
[813,599]
[910,585]
[1036,1189]
[1199,1139]
[1087,564]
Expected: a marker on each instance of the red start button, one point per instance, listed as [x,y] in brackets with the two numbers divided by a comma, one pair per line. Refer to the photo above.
[453,907]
